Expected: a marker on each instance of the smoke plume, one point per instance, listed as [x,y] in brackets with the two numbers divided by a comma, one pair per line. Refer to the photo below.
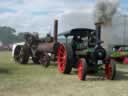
[105,9]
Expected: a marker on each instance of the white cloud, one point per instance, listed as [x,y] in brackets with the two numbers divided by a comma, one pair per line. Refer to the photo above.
[76,19]
[25,19]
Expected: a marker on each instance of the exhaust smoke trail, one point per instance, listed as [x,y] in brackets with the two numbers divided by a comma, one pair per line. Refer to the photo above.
[105,9]
[104,12]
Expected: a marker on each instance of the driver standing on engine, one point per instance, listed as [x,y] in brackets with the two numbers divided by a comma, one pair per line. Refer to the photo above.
[74,44]
[35,42]
[49,38]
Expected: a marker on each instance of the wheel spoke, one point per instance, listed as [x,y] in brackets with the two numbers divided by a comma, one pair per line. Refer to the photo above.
[80,69]
[108,70]
[61,58]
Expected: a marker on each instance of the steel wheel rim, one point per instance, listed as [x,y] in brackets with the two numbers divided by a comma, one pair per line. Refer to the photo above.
[80,69]
[108,71]
[61,58]
[21,55]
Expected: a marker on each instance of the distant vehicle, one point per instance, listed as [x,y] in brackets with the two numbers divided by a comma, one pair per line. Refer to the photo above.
[40,50]
[120,53]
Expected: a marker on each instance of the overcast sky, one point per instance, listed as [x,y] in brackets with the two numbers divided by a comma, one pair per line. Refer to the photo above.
[38,15]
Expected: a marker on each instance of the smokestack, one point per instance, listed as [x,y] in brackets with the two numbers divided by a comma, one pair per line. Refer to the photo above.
[98,31]
[55,30]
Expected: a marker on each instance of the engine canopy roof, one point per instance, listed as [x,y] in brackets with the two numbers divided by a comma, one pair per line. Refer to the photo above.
[78,32]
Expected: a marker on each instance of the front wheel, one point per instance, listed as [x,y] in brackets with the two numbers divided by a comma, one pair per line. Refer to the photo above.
[45,59]
[24,55]
[17,53]
[82,69]
[35,60]
[110,70]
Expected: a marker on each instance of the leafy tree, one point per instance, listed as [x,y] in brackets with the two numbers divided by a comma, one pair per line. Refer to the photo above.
[7,35]
[20,37]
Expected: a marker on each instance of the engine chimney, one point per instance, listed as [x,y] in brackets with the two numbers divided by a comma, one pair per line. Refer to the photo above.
[98,31]
[55,30]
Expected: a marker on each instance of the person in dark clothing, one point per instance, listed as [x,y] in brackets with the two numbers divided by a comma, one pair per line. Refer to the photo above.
[92,39]
[74,47]
[49,38]
[74,42]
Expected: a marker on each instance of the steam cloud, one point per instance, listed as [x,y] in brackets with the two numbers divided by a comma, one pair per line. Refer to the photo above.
[105,9]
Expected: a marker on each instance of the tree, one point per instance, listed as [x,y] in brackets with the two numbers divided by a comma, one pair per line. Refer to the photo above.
[7,35]
[20,36]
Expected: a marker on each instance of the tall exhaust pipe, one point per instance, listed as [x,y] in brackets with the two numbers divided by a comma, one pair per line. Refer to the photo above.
[98,31]
[55,30]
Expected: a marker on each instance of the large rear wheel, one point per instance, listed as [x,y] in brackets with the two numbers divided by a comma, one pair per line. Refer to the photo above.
[64,58]
[82,69]
[44,59]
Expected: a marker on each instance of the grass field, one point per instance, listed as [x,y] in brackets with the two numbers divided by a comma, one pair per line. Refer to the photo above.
[34,80]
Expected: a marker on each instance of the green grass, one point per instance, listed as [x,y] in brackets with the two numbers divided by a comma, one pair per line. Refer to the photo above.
[34,80]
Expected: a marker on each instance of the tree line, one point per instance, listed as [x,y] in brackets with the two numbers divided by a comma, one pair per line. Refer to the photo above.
[8,35]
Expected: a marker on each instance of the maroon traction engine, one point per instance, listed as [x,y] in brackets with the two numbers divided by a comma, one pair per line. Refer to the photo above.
[40,50]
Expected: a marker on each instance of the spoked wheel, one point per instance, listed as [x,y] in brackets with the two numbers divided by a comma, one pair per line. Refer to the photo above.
[110,70]
[17,53]
[64,58]
[45,59]
[82,69]
[35,60]
[24,56]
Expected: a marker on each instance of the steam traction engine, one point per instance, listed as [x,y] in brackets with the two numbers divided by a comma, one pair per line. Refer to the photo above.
[85,53]
[40,50]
